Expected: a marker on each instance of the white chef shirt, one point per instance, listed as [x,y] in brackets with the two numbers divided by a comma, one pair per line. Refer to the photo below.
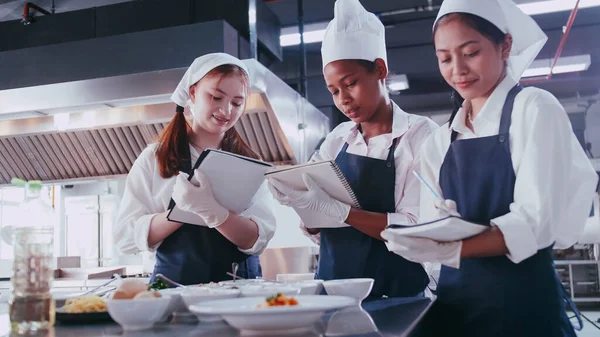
[412,131]
[147,194]
[555,181]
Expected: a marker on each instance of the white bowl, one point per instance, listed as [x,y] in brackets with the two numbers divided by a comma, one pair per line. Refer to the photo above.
[241,282]
[199,295]
[176,305]
[269,291]
[307,287]
[295,277]
[358,288]
[139,314]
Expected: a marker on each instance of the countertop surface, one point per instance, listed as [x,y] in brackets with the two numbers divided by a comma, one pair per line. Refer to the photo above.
[388,317]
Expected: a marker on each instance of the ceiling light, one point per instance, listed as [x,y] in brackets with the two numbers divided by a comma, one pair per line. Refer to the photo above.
[314,32]
[567,64]
[398,82]
[551,6]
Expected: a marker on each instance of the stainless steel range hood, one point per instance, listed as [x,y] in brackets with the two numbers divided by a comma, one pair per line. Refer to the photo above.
[95,129]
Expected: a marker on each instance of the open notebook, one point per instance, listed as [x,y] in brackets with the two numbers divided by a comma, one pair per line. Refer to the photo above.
[327,175]
[451,228]
[234,180]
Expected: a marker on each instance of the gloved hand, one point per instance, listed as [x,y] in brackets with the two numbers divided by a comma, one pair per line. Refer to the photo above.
[424,250]
[447,205]
[314,237]
[198,199]
[315,199]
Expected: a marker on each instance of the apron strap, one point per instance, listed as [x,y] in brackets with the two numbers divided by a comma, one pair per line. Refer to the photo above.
[344,148]
[453,136]
[506,115]
[390,157]
[507,110]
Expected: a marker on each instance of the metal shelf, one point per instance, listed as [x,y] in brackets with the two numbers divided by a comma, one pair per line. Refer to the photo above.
[574,286]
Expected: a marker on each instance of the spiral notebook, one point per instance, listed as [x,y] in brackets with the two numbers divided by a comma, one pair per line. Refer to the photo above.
[234,180]
[326,174]
[446,229]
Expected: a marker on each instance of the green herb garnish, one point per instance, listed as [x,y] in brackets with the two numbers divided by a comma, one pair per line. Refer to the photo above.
[274,297]
[158,285]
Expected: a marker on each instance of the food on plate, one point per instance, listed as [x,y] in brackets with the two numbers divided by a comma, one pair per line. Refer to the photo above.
[84,304]
[130,287]
[134,289]
[147,294]
[278,300]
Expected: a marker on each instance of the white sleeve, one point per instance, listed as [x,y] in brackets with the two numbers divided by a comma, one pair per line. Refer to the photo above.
[543,179]
[260,211]
[430,167]
[134,216]
[407,206]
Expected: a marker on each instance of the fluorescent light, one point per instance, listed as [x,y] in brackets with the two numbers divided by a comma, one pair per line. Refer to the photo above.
[541,71]
[398,83]
[294,38]
[313,32]
[551,6]
[567,64]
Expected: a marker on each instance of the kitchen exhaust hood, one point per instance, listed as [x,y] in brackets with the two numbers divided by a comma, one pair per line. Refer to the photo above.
[95,129]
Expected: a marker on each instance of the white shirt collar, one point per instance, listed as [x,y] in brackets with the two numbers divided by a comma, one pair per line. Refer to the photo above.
[399,124]
[490,113]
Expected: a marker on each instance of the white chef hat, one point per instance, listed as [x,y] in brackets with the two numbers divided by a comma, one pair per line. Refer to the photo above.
[353,33]
[199,68]
[528,37]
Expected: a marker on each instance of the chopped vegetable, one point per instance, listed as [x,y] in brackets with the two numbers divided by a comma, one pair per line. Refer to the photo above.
[158,285]
[278,300]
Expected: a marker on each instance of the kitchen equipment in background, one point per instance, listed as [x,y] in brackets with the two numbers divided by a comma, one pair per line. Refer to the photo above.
[290,260]
[88,229]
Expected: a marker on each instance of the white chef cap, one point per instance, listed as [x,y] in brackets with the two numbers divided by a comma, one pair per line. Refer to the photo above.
[199,68]
[528,37]
[353,33]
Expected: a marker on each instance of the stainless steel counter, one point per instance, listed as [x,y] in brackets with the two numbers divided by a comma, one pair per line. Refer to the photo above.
[390,317]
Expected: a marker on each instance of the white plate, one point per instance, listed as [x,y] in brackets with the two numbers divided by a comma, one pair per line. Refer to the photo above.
[267,291]
[243,313]
[197,295]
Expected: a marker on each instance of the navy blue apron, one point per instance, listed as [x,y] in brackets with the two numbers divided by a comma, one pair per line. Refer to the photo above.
[197,254]
[349,253]
[493,296]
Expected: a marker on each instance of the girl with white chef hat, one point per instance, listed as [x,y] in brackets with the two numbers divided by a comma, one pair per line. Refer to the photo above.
[215,87]
[509,159]
[376,151]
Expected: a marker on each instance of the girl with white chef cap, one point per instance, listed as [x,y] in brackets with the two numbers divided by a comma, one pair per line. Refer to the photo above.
[509,159]
[376,151]
[215,87]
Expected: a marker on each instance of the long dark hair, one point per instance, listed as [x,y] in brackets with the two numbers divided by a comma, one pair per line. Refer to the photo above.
[173,142]
[481,25]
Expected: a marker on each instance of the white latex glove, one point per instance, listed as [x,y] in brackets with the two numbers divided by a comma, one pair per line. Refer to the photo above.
[315,199]
[447,205]
[315,238]
[277,194]
[198,199]
[424,250]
